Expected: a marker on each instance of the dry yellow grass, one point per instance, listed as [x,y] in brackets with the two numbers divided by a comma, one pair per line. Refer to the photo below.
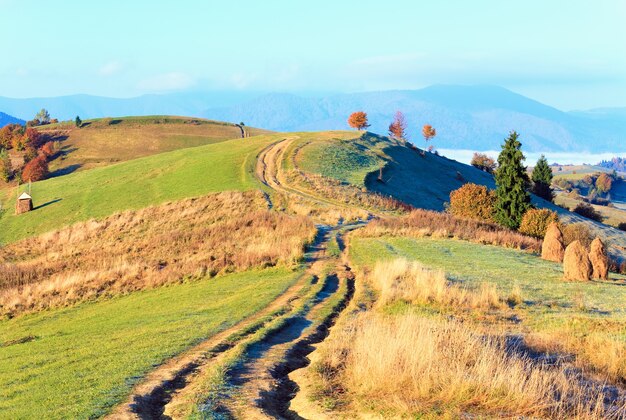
[146,248]
[420,223]
[594,349]
[413,365]
[411,282]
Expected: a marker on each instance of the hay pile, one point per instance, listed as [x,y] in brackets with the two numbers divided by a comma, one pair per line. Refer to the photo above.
[553,248]
[576,264]
[599,260]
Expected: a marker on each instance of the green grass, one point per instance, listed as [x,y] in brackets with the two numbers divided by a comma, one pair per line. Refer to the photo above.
[134,184]
[84,360]
[103,141]
[346,160]
[541,281]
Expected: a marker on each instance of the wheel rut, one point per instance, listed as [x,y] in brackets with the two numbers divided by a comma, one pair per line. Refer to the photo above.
[258,385]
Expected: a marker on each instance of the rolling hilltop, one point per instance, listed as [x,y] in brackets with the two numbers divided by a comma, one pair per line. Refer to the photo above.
[254,277]
[467,117]
[6,119]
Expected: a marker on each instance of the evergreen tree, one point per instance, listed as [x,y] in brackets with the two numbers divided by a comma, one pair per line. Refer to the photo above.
[512,198]
[78,121]
[542,179]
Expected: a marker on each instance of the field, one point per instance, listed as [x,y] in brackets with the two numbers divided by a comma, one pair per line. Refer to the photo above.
[460,318]
[80,362]
[224,279]
[132,185]
[101,142]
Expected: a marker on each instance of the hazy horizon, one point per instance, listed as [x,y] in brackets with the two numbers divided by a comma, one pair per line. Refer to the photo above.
[543,51]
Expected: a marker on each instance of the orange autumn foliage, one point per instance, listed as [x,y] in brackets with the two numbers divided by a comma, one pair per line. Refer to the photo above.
[397,129]
[358,120]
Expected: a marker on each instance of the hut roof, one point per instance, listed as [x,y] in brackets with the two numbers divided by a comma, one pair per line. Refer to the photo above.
[24,196]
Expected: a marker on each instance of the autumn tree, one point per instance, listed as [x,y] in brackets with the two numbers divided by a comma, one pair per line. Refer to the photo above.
[604,183]
[35,170]
[429,132]
[8,133]
[512,198]
[542,179]
[358,120]
[6,170]
[397,129]
[48,149]
[484,163]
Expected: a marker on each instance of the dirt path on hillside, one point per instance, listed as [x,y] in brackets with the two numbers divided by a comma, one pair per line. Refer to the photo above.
[269,172]
[150,396]
[259,383]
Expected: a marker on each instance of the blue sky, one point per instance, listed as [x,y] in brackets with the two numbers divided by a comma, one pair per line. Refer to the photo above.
[569,54]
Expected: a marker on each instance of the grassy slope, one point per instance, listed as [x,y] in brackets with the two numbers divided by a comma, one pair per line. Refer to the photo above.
[104,141]
[85,359]
[423,181]
[134,184]
[587,310]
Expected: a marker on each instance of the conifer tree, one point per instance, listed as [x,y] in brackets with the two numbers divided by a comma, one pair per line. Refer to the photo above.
[78,122]
[512,198]
[542,178]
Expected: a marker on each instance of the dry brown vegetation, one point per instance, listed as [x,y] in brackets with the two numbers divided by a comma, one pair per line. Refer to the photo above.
[412,364]
[145,248]
[346,193]
[420,223]
[411,282]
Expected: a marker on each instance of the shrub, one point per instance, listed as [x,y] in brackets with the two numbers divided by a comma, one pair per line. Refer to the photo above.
[604,183]
[473,201]
[536,221]
[48,149]
[577,232]
[484,163]
[587,210]
[35,170]
[622,226]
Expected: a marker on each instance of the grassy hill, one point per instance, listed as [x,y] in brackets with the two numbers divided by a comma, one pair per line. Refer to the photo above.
[138,183]
[150,301]
[424,181]
[103,141]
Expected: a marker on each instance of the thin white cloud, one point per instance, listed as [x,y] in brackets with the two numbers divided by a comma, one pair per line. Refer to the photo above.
[167,82]
[110,68]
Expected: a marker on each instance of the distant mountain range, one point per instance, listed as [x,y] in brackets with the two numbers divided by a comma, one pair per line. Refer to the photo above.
[466,117]
[6,119]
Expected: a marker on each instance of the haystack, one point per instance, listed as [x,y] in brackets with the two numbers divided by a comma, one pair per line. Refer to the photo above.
[553,248]
[599,260]
[576,264]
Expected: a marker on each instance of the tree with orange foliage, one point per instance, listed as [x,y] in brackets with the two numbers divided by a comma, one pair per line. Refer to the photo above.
[604,183]
[397,129]
[358,120]
[35,170]
[429,132]
[48,149]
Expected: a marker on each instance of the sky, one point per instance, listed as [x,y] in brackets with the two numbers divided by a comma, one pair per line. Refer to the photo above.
[568,54]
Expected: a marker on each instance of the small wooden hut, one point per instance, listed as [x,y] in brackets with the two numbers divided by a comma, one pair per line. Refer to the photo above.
[24,203]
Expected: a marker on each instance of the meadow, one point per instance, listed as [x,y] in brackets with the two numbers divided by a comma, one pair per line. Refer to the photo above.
[103,141]
[135,184]
[82,361]
[141,249]
[449,328]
